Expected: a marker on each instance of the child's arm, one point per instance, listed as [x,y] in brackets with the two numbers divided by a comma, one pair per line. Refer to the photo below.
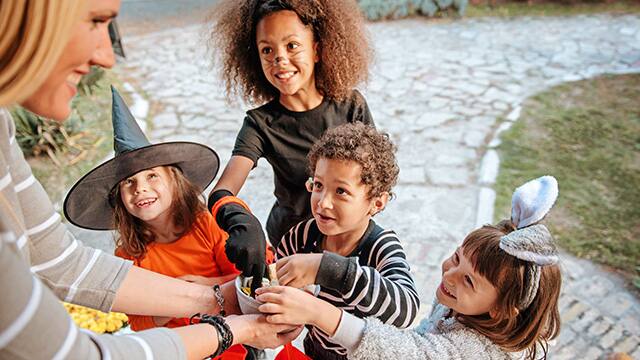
[369,339]
[386,291]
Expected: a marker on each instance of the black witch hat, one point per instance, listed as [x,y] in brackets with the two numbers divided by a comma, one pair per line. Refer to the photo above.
[88,204]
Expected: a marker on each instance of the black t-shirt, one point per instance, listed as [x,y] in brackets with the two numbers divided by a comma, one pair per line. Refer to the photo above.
[284,138]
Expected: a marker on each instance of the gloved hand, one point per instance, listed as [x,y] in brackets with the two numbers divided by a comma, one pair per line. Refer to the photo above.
[247,244]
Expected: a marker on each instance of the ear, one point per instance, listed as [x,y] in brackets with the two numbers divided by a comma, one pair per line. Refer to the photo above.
[378,203]
[493,313]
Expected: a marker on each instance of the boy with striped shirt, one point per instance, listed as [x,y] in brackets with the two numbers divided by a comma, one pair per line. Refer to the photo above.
[357,265]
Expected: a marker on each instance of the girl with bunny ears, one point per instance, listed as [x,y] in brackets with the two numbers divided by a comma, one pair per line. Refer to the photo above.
[498,298]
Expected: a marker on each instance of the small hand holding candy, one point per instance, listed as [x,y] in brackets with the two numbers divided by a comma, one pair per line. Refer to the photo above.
[288,305]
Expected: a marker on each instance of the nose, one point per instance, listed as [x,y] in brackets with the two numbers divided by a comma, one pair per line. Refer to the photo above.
[449,277]
[103,55]
[325,201]
[281,57]
[141,186]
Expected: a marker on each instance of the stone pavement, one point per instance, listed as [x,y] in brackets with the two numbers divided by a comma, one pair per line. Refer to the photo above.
[439,90]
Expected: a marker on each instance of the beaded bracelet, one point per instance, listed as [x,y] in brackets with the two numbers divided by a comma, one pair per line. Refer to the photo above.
[225,336]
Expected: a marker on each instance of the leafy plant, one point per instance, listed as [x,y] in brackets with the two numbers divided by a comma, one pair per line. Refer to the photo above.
[394,9]
[37,135]
[91,81]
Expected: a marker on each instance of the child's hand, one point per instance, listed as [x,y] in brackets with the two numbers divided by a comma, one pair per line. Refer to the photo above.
[298,270]
[287,305]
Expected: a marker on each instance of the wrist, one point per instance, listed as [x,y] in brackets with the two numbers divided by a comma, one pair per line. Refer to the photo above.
[329,320]
[241,332]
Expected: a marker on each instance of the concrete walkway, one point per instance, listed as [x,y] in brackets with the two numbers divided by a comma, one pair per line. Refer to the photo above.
[438,89]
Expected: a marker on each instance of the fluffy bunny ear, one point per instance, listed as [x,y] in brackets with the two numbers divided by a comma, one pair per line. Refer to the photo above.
[533,200]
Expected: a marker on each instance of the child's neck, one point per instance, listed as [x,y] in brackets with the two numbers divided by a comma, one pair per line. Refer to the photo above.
[165,233]
[303,100]
[344,244]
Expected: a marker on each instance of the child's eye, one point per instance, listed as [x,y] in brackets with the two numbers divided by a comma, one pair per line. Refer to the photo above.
[467,279]
[266,50]
[456,259]
[341,191]
[127,182]
[317,186]
[292,46]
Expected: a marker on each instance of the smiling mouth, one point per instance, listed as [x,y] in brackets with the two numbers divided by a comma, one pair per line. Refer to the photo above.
[145,202]
[446,291]
[285,75]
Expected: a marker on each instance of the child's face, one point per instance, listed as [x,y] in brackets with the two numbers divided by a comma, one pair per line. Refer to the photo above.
[148,195]
[339,200]
[288,52]
[463,289]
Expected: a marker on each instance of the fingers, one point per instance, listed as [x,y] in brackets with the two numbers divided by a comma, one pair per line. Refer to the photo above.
[257,273]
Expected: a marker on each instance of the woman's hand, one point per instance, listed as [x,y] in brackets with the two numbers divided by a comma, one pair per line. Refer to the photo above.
[255,331]
[298,270]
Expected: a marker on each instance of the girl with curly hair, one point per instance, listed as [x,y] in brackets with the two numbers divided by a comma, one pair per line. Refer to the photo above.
[300,60]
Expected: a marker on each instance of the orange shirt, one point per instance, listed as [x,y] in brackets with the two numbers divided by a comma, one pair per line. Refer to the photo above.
[198,252]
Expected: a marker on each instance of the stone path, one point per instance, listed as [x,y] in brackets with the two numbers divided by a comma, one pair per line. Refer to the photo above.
[439,90]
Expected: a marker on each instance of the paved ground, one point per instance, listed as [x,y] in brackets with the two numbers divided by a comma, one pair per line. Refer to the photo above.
[439,89]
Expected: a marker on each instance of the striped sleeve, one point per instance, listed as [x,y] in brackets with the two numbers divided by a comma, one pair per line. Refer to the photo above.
[35,325]
[384,288]
[74,272]
[294,239]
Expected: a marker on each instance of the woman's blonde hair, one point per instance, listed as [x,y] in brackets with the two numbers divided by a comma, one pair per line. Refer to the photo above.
[34,34]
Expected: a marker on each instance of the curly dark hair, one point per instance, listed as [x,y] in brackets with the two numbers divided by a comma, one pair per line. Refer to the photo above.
[371,149]
[338,27]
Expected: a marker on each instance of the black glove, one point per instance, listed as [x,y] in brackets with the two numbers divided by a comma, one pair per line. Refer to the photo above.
[246,245]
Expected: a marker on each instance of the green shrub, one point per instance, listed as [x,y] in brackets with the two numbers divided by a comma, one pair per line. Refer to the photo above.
[37,135]
[395,9]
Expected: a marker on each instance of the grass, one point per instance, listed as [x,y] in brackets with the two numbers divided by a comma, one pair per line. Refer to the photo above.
[586,134]
[91,144]
[513,9]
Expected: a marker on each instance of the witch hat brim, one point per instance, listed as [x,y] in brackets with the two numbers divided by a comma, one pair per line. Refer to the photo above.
[88,205]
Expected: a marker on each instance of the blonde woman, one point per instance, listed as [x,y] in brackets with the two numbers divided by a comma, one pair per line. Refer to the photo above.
[45,49]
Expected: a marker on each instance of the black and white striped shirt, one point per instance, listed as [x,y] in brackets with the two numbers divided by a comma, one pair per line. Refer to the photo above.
[374,280]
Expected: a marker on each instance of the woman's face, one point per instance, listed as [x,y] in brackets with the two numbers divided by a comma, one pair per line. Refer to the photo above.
[89,45]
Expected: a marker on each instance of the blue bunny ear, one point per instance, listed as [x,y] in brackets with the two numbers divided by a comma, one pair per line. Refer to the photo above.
[127,135]
[532,201]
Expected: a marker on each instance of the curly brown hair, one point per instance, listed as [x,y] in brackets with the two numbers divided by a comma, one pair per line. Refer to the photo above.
[528,329]
[338,27]
[363,144]
[134,234]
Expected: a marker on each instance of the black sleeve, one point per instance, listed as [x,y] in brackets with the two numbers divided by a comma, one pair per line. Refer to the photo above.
[250,141]
[361,109]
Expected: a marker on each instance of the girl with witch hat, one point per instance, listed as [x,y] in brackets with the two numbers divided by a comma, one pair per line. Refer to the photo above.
[151,194]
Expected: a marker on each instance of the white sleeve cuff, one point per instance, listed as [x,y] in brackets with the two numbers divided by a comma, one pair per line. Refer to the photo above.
[349,332]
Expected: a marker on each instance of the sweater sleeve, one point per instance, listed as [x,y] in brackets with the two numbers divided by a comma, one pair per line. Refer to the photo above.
[385,289]
[381,341]
[74,272]
[30,314]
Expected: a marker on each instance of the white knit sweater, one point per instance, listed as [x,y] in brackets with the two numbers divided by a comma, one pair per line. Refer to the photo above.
[437,337]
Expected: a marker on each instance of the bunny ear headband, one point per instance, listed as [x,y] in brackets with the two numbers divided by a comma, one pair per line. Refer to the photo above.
[531,241]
